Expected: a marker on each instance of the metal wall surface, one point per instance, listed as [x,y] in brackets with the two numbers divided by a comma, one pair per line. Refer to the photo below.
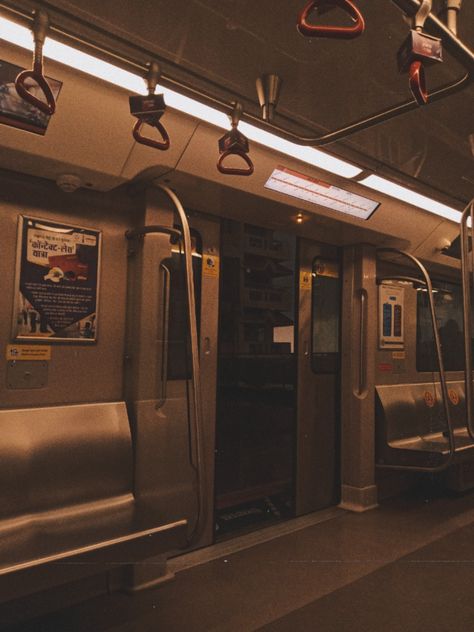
[317,478]
[76,373]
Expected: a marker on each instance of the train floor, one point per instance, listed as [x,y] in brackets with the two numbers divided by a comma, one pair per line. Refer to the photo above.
[407,565]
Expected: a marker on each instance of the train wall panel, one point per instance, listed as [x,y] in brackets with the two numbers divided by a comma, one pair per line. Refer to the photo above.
[76,373]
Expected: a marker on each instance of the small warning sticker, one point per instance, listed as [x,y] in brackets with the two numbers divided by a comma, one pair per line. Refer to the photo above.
[385,367]
[28,352]
[305,280]
[453,397]
[398,355]
[210,265]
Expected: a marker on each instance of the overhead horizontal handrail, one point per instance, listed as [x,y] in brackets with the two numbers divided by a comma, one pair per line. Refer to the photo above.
[335,32]
[442,375]
[467,272]
[459,50]
[48,106]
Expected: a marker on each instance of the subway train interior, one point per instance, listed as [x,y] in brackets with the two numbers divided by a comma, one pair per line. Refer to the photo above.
[236,282]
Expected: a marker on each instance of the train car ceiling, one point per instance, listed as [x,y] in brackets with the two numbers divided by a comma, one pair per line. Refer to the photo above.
[90,134]
[326,83]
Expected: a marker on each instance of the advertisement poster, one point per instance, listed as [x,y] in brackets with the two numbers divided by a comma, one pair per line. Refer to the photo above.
[57,282]
[14,110]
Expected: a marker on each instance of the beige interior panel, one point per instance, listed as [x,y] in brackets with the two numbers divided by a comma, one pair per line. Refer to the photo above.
[76,373]
[392,221]
[90,135]
[441,237]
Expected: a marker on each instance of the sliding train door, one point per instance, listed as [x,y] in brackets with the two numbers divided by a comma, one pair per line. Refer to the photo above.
[278,378]
[256,394]
[317,443]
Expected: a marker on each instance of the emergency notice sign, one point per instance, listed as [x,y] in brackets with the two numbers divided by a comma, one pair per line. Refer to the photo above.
[56,281]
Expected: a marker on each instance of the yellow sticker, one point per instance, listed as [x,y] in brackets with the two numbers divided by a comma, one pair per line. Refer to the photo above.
[210,265]
[305,280]
[28,352]
[398,355]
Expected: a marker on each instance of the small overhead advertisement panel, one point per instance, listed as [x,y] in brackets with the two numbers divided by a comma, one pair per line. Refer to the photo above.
[16,112]
[315,191]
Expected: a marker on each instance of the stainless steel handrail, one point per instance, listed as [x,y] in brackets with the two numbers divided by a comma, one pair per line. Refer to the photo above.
[164,336]
[363,343]
[442,374]
[196,370]
[198,448]
[457,48]
[467,272]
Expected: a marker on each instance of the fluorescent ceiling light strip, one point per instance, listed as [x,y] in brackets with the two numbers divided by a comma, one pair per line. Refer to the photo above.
[309,155]
[21,36]
[407,195]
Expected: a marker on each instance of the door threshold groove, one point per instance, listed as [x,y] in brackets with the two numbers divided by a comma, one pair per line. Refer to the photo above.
[240,543]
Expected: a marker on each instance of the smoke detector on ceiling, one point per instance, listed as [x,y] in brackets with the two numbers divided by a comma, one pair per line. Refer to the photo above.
[68,182]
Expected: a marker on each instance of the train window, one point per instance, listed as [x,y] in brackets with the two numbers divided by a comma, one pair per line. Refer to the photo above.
[179,349]
[326,305]
[448,305]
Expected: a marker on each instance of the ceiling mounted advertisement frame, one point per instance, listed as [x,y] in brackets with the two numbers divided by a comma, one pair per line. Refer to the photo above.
[56,282]
[14,111]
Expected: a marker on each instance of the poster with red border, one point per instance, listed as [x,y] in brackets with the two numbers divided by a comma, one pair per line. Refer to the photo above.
[57,282]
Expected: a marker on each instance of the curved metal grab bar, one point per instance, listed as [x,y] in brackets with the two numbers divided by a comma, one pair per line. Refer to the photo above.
[196,371]
[336,32]
[442,374]
[467,269]
[40,30]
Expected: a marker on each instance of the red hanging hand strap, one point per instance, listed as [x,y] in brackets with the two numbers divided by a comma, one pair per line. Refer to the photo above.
[148,110]
[150,142]
[233,143]
[48,104]
[416,76]
[232,171]
[335,32]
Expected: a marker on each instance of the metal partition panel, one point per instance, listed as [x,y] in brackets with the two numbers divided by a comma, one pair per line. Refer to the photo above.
[359,332]
[164,476]
[317,450]
[172,457]
[209,231]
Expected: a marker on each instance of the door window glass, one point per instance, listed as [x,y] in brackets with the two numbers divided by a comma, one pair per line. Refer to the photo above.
[179,348]
[326,305]
[449,316]
[256,413]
